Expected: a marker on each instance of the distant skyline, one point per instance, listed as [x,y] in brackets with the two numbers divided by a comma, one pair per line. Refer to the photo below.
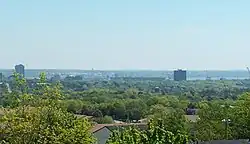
[125,34]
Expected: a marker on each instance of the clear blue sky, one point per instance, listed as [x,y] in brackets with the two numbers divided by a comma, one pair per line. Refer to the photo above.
[125,34]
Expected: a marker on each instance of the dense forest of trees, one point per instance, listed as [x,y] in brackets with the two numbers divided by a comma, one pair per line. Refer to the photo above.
[41,111]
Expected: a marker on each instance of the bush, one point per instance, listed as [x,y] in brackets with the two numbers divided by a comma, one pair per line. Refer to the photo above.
[26,125]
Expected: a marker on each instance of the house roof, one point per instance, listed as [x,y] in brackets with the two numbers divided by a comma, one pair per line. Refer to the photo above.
[116,125]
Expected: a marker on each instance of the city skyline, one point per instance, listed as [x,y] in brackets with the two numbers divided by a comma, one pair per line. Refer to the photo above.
[125,35]
[92,69]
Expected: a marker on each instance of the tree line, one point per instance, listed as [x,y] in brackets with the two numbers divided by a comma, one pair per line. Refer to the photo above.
[45,112]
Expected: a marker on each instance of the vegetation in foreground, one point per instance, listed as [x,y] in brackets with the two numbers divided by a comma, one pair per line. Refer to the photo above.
[44,112]
[40,119]
[156,133]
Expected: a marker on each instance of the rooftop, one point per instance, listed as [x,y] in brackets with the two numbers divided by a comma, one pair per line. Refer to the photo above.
[111,126]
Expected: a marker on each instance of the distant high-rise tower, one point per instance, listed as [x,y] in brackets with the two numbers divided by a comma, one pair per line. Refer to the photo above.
[20,69]
[180,75]
[1,77]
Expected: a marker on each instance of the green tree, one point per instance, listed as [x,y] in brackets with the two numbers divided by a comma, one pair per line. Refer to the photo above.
[45,123]
[19,88]
[135,109]
[214,121]
[155,134]
[118,110]
[104,120]
[241,120]
[173,119]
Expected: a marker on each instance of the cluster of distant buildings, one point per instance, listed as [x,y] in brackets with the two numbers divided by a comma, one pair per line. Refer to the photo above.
[178,75]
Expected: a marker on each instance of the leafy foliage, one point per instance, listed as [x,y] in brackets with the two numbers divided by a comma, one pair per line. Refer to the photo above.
[45,123]
[41,111]
[156,134]
[241,117]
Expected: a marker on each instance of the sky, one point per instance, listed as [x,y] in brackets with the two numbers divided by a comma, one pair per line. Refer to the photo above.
[125,34]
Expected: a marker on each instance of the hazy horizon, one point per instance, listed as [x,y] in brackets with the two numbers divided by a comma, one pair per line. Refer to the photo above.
[129,69]
[125,35]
